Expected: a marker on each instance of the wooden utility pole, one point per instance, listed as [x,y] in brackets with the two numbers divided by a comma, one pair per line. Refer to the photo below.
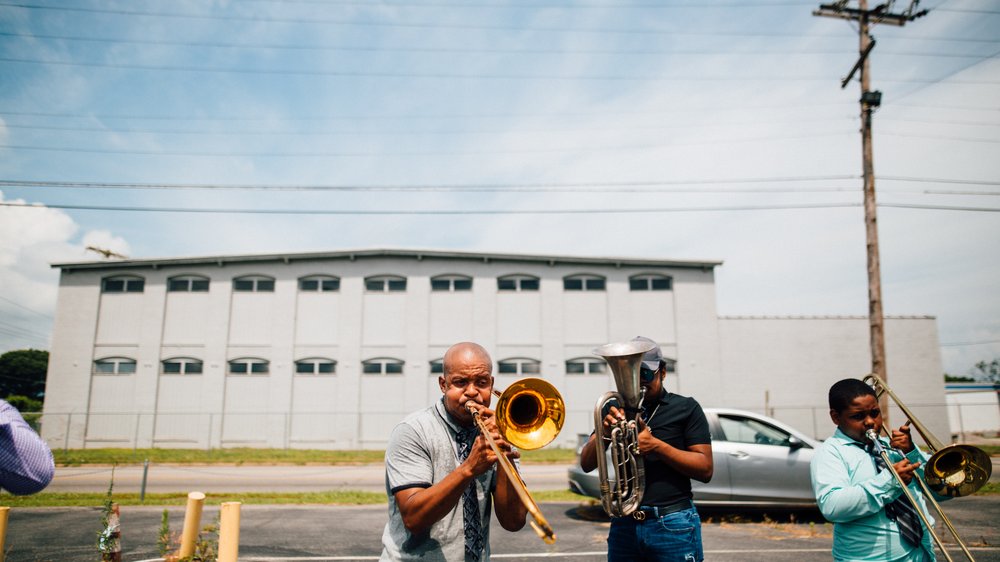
[870,100]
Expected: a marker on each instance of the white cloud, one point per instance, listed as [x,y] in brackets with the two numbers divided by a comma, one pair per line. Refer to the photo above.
[31,239]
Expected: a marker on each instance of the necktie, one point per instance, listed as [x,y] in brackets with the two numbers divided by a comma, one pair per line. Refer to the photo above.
[470,503]
[901,510]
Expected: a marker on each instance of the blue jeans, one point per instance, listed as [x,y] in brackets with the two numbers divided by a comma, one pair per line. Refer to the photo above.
[675,537]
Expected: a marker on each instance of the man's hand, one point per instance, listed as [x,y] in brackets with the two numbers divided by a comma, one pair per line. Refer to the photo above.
[647,443]
[905,470]
[901,439]
[614,417]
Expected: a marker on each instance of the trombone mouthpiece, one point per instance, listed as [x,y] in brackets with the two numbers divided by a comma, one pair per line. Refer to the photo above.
[872,436]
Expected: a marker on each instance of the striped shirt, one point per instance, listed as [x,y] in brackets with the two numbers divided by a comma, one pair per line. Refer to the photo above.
[26,464]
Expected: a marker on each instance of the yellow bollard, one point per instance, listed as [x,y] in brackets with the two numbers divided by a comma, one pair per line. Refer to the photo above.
[192,520]
[4,512]
[229,532]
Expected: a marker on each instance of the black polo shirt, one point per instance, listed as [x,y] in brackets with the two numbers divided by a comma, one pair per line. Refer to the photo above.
[680,422]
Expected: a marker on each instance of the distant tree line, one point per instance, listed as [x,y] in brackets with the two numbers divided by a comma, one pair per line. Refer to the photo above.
[22,378]
[983,372]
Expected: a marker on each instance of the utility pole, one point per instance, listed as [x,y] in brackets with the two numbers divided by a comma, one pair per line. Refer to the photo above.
[870,100]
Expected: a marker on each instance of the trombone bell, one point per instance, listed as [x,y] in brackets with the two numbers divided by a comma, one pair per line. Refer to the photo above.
[958,470]
[530,413]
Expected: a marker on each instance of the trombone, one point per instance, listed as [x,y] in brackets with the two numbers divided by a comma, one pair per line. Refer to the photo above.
[529,415]
[954,470]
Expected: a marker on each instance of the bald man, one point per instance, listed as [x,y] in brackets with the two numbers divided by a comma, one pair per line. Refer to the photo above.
[440,473]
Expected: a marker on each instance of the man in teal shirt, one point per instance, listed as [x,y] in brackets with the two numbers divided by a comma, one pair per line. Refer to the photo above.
[858,495]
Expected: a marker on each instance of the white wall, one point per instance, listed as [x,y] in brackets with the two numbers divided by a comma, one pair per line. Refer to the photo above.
[727,362]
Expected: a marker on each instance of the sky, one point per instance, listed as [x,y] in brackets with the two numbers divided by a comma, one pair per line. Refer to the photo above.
[694,129]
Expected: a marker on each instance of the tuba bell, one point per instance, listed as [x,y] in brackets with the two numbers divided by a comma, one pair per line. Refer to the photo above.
[622,493]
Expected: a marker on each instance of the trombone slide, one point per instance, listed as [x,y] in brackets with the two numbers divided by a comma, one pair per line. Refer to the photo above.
[538,522]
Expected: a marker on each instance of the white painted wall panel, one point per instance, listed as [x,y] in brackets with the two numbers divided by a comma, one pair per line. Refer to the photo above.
[251,320]
[186,318]
[451,317]
[585,317]
[317,318]
[519,318]
[120,319]
[384,319]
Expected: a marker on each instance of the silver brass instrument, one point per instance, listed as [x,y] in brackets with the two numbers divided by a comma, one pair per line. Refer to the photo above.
[529,415]
[953,470]
[622,439]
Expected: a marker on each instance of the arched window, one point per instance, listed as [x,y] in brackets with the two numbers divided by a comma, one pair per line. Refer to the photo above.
[650,282]
[451,283]
[583,282]
[437,367]
[249,366]
[586,366]
[123,284]
[517,283]
[315,366]
[114,366]
[319,283]
[181,366]
[253,284]
[187,284]
[519,366]
[382,366]
[385,283]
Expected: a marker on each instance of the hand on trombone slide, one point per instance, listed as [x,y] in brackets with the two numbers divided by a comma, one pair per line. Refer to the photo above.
[482,457]
[900,438]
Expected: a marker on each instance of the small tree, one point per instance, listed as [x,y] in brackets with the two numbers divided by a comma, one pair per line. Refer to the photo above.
[22,372]
[989,371]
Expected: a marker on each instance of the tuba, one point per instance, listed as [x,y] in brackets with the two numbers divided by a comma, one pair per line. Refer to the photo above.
[954,470]
[529,414]
[622,439]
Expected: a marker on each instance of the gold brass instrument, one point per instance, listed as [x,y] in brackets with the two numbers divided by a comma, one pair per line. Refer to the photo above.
[622,440]
[954,470]
[529,415]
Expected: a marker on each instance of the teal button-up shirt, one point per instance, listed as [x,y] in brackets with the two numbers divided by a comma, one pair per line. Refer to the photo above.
[852,494]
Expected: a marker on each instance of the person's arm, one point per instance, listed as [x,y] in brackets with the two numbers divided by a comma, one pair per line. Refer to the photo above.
[26,464]
[693,462]
[838,499]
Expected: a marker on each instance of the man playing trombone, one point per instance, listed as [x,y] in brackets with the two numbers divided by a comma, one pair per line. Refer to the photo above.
[873,519]
[440,473]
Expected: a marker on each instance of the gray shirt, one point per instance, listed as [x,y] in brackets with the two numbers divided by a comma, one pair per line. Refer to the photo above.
[422,451]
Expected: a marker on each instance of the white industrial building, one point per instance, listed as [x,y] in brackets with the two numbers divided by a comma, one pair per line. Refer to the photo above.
[330,350]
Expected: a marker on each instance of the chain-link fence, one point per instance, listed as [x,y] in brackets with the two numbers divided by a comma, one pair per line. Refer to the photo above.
[371,429]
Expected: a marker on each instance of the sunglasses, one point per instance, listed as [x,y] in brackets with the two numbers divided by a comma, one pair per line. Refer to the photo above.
[646,375]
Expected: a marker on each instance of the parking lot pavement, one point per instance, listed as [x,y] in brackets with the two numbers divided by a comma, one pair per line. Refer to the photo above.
[315,533]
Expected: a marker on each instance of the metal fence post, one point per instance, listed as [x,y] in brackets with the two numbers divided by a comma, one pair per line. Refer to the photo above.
[69,424]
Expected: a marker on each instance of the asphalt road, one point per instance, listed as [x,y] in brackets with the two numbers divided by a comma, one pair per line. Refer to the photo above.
[328,533]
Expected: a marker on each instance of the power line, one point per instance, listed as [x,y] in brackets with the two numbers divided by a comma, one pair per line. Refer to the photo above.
[641,186]
[365,154]
[963,344]
[377,24]
[455,75]
[365,212]
[19,305]
[411,116]
[737,51]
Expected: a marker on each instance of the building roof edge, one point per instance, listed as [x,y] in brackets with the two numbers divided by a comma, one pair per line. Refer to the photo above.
[418,254]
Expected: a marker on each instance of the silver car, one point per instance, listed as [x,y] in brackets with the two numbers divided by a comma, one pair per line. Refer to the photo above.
[759,462]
